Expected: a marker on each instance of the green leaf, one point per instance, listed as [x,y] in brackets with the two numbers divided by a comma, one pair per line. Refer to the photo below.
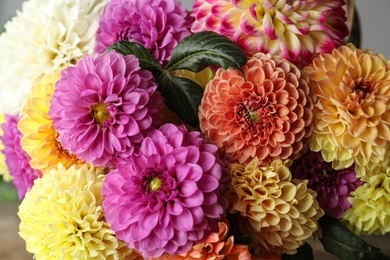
[147,61]
[203,49]
[182,96]
[194,53]
[342,242]
[305,252]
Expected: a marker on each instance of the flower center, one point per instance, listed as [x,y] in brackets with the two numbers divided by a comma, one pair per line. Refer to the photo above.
[329,173]
[155,184]
[100,113]
[253,116]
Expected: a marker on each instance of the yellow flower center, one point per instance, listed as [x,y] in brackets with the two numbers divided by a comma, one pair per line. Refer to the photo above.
[253,116]
[155,184]
[100,113]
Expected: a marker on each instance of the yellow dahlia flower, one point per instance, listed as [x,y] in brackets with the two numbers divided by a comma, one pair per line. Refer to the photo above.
[370,211]
[62,216]
[351,95]
[280,212]
[4,173]
[39,137]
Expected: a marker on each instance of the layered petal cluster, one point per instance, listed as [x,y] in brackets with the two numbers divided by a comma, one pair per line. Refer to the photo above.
[16,159]
[333,187]
[62,216]
[295,30]
[280,212]
[43,37]
[215,246]
[158,25]
[265,113]
[104,106]
[4,172]
[351,96]
[167,197]
[39,137]
[370,213]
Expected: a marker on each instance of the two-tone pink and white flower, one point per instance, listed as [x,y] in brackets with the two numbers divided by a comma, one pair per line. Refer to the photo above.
[295,30]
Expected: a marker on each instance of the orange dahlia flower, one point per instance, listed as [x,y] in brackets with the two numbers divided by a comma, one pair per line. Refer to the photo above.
[215,246]
[265,113]
[351,96]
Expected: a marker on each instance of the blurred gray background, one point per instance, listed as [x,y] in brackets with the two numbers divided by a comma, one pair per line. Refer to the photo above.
[374,16]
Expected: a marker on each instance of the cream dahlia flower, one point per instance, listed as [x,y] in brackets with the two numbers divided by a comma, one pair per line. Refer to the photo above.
[280,212]
[44,36]
[39,136]
[62,217]
[351,95]
[295,30]
[370,211]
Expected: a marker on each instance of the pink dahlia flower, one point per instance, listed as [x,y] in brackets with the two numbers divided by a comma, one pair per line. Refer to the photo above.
[266,115]
[334,187]
[104,106]
[167,197]
[295,30]
[158,25]
[16,159]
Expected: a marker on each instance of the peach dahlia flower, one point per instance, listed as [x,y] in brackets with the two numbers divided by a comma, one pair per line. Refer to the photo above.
[266,115]
[216,246]
[295,30]
[351,95]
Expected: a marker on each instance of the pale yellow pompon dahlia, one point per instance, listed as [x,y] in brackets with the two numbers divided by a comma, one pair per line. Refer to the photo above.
[370,211]
[39,136]
[281,212]
[62,216]
[351,96]
[4,173]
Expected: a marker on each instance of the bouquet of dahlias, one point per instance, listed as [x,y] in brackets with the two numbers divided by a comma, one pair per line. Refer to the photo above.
[135,129]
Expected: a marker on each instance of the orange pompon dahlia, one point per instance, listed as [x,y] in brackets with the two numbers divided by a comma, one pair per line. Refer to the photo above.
[265,113]
[280,212]
[215,246]
[39,137]
[351,95]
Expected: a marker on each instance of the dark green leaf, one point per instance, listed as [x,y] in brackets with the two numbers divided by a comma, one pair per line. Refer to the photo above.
[305,252]
[147,61]
[182,96]
[203,49]
[340,241]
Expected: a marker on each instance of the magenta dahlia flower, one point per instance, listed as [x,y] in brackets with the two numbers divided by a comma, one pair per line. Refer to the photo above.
[158,25]
[104,106]
[16,159]
[333,186]
[167,197]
